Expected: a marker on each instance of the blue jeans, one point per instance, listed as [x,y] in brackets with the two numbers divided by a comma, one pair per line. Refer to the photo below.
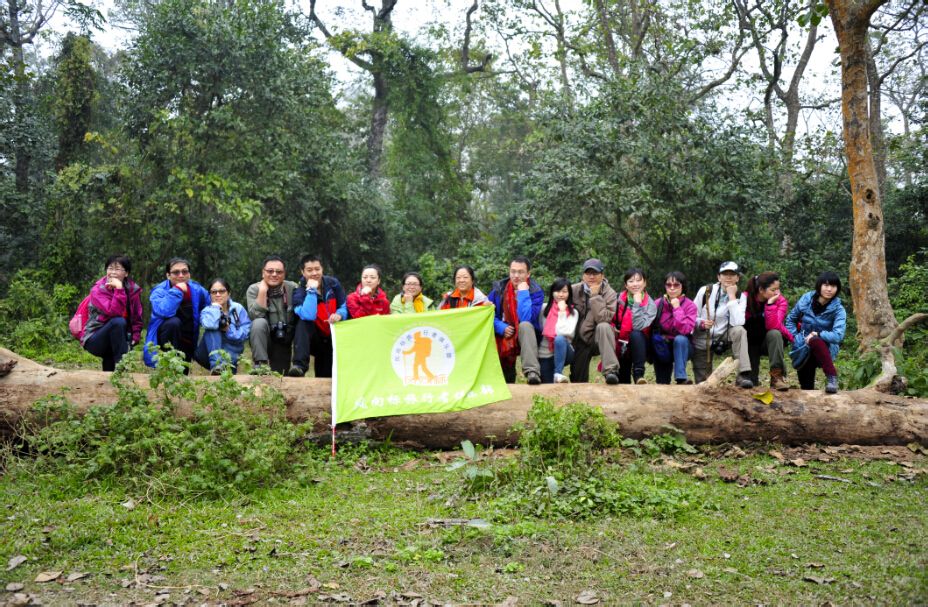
[110,342]
[682,350]
[210,343]
[563,356]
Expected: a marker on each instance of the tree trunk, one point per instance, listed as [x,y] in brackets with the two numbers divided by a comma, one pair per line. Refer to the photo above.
[21,106]
[872,309]
[877,138]
[706,413]
[375,137]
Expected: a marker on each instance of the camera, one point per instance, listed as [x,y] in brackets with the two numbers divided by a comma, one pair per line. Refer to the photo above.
[719,346]
[224,322]
[279,331]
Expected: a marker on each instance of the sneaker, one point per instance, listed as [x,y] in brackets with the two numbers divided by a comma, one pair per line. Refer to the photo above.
[832,386]
[532,378]
[744,380]
[641,380]
[686,381]
[296,371]
[611,378]
[561,379]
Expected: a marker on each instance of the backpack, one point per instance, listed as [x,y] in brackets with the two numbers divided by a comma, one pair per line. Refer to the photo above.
[80,318]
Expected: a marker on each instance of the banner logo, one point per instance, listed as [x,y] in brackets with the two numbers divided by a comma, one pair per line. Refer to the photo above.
[423,356]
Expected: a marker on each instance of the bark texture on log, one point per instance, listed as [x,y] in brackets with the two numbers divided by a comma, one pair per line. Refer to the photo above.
[704,413]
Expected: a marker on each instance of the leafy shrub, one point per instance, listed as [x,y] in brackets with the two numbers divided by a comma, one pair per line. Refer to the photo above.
[569,438]
[234,439]
[34,318]
[671,442]
[563,470]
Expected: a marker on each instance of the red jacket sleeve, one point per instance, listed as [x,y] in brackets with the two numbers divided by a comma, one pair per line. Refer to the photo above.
[110,302]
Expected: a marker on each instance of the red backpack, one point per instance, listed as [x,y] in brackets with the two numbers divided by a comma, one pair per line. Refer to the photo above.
[80,318]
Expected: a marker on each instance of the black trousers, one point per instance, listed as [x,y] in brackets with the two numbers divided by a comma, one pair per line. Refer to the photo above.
[308,341]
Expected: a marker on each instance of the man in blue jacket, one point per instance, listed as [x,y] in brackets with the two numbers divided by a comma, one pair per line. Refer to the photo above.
[518,300]
[319,302]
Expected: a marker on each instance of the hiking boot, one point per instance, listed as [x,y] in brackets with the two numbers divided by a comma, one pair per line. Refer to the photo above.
[640,380]
[560,378]
[296,371]
[686,381]
[611,378]
[744,380]
[777,382]
[831,387]
[532,378]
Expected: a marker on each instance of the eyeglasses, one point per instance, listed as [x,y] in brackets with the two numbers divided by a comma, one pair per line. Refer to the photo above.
[266,271]
[411,284]
[183,272]
[673,285]
[115,269]
[217,291]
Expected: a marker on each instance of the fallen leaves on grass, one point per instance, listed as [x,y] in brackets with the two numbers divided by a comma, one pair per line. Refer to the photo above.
[587,597]
[77,575]
[818,580]
[798,462]
[696,574]
[14,587]
[47,576]
[15,562]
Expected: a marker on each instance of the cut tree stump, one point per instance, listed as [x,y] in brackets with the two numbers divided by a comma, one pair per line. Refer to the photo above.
[706,413]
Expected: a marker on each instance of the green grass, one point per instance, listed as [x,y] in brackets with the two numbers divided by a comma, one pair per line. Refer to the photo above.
[359,531]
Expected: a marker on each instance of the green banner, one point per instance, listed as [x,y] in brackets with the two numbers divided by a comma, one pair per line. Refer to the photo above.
[415,363]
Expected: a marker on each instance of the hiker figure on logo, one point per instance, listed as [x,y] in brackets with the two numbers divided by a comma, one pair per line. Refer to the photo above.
[421,349]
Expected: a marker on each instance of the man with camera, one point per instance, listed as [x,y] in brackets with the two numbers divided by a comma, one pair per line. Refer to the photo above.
[270,306]
[720,325]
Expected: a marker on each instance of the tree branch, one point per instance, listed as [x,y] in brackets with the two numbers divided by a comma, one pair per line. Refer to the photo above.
[466,67]
[364,65]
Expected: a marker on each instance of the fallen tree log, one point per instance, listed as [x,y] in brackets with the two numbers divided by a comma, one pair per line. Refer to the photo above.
[706,413]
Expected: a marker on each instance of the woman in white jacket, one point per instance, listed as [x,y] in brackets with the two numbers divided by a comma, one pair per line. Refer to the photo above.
[559,322]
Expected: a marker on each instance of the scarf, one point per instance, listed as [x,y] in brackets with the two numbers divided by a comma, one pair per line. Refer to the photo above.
[324,309]
[417,304]
[550,330]
[275,292]
[456,300]
[508,347]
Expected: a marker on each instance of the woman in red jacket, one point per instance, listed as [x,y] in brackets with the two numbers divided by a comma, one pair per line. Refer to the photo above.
[764,323]
[114,324]
[368,298]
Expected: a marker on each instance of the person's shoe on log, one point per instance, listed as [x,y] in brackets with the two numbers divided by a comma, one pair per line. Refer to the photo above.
[296,371]
[532,378]
[611,378]
[831,384]
[777,382]
[744,380]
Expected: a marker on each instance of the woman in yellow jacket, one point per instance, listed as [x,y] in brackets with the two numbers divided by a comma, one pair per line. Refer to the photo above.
[411,300]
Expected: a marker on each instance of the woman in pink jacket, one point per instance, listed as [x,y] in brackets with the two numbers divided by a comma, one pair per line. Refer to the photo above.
[764,323]
[674,325]
[114,323]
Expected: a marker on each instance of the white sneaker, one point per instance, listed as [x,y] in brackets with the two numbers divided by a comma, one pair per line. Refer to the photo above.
[561,379]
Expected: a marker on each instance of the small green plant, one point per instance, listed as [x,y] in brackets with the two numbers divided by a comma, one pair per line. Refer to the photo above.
[671,442]
[475,476]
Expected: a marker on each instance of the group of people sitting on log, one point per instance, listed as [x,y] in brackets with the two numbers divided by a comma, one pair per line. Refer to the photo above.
[287,323]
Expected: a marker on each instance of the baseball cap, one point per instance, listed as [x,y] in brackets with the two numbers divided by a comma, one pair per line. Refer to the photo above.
[593,264]
[729,266]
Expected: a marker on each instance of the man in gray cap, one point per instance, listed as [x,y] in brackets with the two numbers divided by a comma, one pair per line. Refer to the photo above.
[595,302]
[720,325]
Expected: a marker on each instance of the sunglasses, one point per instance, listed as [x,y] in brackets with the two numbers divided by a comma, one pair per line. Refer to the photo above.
[183,272]
[217,291]
[266,271]
[673,285]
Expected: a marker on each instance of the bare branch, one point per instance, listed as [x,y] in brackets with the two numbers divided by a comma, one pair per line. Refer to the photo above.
[736,54]
[466,67]
[892,66]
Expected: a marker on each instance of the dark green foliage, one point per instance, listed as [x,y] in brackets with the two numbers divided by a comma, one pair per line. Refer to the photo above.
[235,440]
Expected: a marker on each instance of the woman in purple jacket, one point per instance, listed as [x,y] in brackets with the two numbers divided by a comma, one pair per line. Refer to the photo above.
[675,322]
[767,333]
[114,323]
